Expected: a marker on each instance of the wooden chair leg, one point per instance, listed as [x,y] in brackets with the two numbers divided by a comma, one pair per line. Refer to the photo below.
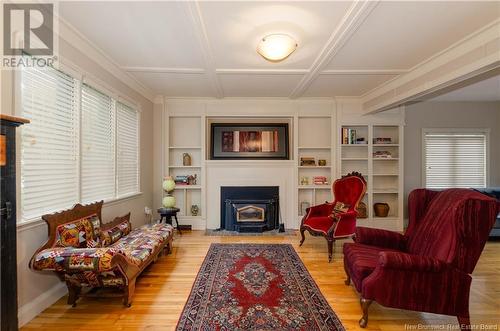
[302,230]
[330,249]
[73,294]
[129,293]
[363,322]
[464,322]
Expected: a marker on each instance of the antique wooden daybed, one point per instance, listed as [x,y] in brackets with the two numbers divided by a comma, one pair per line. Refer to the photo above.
[85,253]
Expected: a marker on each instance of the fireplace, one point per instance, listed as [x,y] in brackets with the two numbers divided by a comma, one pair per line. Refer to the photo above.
[249,208]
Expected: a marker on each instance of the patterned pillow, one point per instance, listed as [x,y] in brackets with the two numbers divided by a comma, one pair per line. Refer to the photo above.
[96,227]
[341,207]
[74,234]
[111,235]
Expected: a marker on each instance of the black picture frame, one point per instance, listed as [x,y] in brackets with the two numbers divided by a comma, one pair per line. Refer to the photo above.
[216,141]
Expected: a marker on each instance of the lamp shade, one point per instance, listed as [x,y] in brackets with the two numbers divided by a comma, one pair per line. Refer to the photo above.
[276,47]
[169,184]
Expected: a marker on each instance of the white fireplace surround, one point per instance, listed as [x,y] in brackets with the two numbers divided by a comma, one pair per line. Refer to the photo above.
[254,173]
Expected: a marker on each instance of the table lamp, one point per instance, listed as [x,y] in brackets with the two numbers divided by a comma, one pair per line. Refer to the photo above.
[169,186]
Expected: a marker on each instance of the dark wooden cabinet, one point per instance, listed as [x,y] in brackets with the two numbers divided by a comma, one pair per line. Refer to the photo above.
[8,233]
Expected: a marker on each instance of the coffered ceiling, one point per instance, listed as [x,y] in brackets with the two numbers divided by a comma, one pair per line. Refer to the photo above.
[207,48]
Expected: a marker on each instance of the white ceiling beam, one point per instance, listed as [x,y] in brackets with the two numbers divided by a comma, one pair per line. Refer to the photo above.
[474,55]
[194,13]
[355,16]
[163,70]
[364,72]
[262,71]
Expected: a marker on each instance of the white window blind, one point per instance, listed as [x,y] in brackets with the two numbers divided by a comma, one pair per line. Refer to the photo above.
[455,159]
[98,145]
[127,157]
[49,163]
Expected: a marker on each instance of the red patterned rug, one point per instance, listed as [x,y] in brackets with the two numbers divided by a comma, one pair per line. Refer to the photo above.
[256,287]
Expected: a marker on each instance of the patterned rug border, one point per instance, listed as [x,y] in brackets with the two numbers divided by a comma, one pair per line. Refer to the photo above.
[212,250]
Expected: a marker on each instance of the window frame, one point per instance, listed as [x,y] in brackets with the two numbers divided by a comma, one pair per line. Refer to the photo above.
[469,130]
[81,76]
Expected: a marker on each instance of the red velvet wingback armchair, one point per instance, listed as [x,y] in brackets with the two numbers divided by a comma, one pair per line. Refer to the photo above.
[328,220]
[428,268]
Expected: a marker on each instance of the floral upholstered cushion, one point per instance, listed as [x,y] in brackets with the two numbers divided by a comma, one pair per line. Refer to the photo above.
[70,259]
[139,244]
[96,227]
[112,235]
[77,234]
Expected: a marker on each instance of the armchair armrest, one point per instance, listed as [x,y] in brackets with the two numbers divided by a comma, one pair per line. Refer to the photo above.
[347,214]
[380,238]
[69,259]
[411,262]
[324,209]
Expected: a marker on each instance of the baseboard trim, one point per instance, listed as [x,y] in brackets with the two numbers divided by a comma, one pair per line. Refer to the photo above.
[30,310]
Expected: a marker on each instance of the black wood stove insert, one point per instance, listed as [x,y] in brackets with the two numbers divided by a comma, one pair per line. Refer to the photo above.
[249,208]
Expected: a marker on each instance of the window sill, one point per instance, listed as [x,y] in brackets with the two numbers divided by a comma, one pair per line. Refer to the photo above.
[37,221]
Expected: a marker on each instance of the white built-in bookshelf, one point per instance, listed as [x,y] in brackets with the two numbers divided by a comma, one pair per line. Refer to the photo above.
[382,173]
[315,139]
[184,135]
[313,134]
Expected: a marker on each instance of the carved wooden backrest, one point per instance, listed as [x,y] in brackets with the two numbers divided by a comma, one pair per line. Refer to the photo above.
[77,212]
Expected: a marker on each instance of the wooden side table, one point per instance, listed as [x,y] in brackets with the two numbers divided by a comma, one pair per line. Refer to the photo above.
[168,213]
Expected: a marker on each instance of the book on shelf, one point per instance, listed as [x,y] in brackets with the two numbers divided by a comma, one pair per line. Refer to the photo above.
[320,180]
[349,137]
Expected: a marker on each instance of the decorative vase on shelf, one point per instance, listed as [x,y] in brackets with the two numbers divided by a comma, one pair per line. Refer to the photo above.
[169,186]
[186,159]
[381,209]
[195,210]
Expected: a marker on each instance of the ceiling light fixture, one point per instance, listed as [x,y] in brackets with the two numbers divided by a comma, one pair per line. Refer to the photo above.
[276,47]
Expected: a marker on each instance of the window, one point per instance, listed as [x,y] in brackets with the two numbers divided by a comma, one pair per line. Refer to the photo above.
[127,149]
[49,147]
[455,158]
[81,145]
[98,145]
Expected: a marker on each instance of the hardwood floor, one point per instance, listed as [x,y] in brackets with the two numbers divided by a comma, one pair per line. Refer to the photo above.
[165,286]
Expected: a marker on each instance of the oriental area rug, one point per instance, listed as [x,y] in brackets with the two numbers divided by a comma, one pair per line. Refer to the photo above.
[256,287]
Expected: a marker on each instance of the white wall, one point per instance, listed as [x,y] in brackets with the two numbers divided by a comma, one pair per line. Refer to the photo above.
[448,115]
[36,291]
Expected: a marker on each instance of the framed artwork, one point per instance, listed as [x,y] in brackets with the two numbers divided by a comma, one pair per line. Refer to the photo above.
[249,141]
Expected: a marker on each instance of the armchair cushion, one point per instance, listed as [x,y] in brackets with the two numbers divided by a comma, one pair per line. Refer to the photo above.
[319,223]
[360,261]
[380,238]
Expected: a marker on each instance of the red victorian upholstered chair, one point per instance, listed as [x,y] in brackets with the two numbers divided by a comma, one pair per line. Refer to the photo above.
[337,219]
[428,268]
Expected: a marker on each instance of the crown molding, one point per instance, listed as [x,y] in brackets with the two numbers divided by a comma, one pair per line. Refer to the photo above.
[355,16]
[165,70]
[75,38]
[196,17]
[421,79]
